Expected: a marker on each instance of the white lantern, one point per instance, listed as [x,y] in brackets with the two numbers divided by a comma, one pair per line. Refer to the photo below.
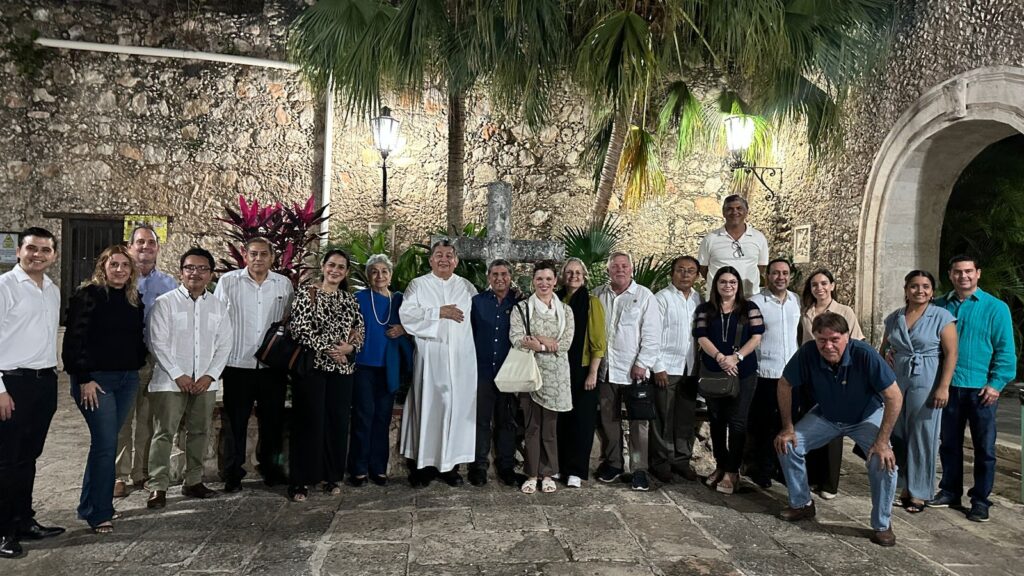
[739,134]
[385,132]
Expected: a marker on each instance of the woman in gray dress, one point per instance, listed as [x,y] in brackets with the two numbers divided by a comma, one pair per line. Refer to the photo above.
[551,330]
[920,343]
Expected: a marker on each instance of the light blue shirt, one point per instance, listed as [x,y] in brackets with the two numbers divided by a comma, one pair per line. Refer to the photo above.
[986,355]
[153,286]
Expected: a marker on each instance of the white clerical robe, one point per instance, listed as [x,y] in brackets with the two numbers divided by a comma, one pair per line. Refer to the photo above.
[439,423]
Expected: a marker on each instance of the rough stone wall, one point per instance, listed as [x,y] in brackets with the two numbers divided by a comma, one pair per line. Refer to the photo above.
[937,39]
[112,134]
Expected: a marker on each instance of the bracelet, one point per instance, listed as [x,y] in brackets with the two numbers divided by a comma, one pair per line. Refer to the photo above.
[543,348]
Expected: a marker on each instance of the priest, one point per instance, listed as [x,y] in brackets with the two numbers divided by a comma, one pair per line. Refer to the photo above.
[439,423]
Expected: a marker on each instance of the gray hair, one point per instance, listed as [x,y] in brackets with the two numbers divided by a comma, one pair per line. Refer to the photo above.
[735,198]
[574,260]
[499,262]
[615,255]
[446,243]
[379,259]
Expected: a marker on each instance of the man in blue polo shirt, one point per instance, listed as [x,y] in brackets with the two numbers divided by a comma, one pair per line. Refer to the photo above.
[986,361]
[857,397]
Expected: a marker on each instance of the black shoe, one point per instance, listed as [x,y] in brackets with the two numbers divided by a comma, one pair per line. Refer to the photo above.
[273,476]
[978,513]
[943,500]
[357,481]
[379,479]
[197,491]
[10,548]
[157,500]
[508,477]
[478,476]
[419,479]
[232,485]
[640,482]
[453,478]
[35,531]
[610,475]
[663,476]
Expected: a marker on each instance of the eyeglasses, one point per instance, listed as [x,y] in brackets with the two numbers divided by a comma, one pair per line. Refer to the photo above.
[737,250]
[193,268]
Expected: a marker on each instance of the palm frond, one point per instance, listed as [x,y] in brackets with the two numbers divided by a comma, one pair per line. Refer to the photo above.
[652,272]
[616,61]
[640,168]
[592,244]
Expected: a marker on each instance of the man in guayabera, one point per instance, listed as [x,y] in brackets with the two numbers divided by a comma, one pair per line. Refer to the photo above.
[132,462]
[858,398]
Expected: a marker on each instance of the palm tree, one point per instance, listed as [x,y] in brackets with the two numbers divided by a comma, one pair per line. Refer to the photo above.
[792,59]
[365,48]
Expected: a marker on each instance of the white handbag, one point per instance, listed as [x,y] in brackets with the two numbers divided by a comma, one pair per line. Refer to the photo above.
[519,372]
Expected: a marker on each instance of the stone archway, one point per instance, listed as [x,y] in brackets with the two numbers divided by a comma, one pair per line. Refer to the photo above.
[913,175]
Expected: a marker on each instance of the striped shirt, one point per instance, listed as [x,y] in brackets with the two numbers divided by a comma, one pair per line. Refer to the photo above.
[986,354]
[252,308]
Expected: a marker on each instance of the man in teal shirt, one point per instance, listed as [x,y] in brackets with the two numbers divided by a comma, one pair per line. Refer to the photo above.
[985,364]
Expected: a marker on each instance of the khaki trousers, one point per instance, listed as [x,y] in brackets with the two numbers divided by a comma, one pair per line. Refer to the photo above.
[169,410]
[541,439]
[610,430]
[132,456]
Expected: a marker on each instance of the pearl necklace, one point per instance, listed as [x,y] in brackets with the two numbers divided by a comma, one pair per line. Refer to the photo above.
[373,304]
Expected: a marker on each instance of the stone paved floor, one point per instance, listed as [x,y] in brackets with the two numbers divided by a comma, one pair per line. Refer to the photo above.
[678,529]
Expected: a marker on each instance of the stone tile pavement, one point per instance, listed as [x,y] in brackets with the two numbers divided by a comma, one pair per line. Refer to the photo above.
[677,529]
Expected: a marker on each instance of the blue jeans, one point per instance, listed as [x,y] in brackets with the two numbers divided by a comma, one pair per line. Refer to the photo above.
[965,408]
[97,502]
[372,406]
[814,431]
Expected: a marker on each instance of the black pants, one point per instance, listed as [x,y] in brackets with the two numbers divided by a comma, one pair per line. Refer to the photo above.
[576,427]
[21,442]
[321,405]
[499,407]
[763,424]
[266,388]
[728,419]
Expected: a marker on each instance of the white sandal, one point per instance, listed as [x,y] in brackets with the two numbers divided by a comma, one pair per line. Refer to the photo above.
[529,487]
[547,485]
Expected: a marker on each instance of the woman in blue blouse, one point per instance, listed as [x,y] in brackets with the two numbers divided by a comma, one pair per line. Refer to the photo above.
[715,330]
[378,368]
[921,344]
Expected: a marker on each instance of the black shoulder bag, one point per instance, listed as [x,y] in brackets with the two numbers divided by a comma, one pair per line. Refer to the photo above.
[719,384]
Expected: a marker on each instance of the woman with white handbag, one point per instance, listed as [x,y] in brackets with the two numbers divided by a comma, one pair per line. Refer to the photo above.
[545,326]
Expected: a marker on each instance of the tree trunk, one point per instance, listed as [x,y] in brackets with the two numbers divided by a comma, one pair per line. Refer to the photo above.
[456,161]
[609,170]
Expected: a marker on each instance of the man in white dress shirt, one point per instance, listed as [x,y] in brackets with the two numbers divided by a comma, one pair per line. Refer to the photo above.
[190,335]
[439,422]
[633,324]
[29,315]
[780,309]
[256,297]
[675,397]
[736,244]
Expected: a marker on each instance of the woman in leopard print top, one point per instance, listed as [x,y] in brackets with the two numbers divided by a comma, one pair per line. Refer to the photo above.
[325,319]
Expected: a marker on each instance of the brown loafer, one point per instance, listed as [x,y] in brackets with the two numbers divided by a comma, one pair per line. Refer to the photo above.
[797,514]
[157,499]
[120,489]
[884,538]
[197,491]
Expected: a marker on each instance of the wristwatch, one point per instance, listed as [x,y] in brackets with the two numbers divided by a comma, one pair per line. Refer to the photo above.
[739,356]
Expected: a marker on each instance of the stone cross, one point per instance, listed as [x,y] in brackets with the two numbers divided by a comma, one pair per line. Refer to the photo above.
[499,242]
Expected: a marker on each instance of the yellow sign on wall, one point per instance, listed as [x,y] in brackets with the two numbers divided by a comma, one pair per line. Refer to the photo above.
[157,223]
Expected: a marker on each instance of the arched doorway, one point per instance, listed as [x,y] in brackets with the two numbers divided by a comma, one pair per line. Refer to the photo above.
[913,174]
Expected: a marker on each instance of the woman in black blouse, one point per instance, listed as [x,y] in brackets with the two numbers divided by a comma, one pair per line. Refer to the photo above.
[715,330]
[103,351]
[324,319]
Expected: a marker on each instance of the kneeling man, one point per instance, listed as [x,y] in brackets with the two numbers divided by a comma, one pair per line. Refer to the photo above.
[857,397]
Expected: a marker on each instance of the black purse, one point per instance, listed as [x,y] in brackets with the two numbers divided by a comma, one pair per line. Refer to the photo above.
[639,400]
[280,350]
[719,384]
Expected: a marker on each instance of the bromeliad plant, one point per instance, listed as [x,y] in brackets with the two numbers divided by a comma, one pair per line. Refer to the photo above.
[290,229]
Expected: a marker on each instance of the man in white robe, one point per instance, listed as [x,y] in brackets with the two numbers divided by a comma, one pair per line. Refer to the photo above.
[439,423]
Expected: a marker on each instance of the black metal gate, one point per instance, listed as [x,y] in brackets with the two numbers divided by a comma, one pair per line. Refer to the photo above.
[84,239]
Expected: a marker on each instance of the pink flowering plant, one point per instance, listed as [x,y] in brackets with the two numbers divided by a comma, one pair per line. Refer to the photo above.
[290,229]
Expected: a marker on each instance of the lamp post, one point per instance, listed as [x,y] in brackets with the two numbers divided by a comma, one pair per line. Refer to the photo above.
[739,134]
[385,139]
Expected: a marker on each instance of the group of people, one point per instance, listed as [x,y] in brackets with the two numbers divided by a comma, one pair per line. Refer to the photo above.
[146,354]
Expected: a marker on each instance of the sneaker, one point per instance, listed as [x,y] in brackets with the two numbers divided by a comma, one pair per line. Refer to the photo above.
[797,514]
[826,495]
[943,500]
[978,513]
[640,482]
[610,475]
[574,482]
[884,538]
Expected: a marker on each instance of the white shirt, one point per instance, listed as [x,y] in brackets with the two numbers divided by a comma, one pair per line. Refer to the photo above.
[781,323]
[677,343]
[717,250]
[29,317]
[252,308]
[189,338]
[633,322]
